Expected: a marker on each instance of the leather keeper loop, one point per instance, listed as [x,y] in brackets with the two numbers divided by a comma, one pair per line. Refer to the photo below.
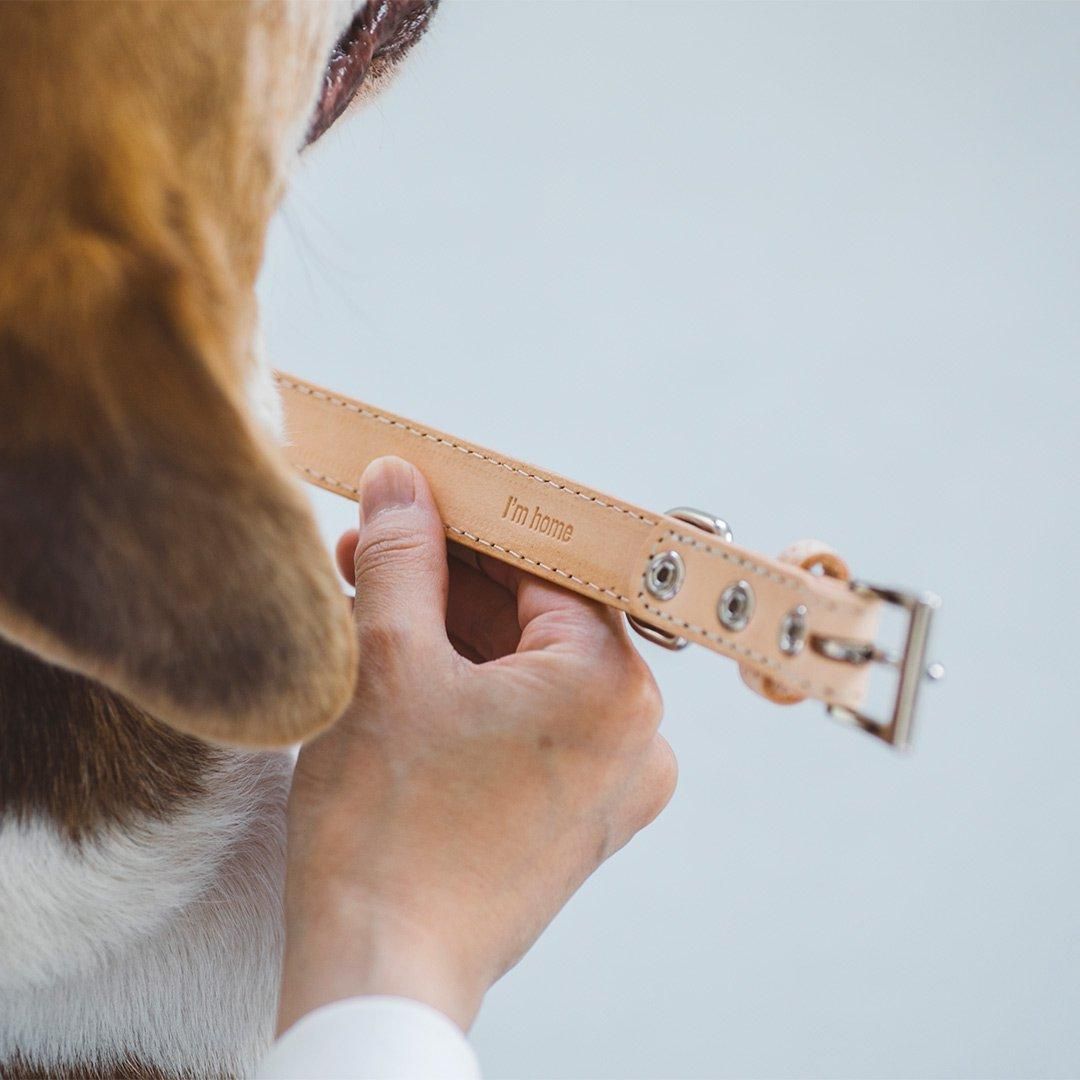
[806,554]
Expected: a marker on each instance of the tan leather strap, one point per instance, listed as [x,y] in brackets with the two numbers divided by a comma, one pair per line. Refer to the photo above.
[603,548]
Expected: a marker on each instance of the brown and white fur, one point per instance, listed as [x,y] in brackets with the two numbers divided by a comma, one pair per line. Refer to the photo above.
[167,613]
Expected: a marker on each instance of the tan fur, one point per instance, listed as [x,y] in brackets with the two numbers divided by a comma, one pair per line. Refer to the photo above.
[149,538]
[162,583]
[85,759]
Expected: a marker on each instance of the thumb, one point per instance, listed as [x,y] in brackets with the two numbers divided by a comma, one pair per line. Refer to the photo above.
[401,573]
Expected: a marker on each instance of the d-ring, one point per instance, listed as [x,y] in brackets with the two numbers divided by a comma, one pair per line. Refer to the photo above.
[700,519]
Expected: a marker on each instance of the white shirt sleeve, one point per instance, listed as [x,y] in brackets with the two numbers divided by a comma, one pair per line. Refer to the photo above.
[371,1038]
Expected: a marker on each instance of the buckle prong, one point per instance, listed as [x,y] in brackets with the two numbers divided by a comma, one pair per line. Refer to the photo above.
[848,651]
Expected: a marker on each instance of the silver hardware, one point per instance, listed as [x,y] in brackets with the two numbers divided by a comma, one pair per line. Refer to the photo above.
[709,522]
[664,574]
[910,663]
[700,519]
[935,672]
[736,606]
[847,651]
[793,631]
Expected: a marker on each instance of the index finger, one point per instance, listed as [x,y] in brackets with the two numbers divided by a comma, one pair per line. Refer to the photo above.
[550,615]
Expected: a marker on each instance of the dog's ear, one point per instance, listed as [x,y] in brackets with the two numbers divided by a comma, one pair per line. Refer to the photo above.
[149,536]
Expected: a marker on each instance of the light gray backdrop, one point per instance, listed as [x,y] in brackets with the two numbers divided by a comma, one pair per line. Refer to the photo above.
[816,268]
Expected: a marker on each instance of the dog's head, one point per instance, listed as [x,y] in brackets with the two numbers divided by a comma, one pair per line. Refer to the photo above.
[150,537]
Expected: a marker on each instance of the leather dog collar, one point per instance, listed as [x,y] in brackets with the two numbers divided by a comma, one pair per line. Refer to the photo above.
[679,577]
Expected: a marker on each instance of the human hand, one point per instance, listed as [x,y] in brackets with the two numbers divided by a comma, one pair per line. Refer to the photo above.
[501,744]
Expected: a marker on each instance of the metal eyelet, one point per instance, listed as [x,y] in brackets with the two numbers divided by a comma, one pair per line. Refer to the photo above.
[736,606]
[700,519]
[665,574]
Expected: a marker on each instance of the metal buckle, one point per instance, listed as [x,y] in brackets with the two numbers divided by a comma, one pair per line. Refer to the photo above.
[700,519]
[910,662]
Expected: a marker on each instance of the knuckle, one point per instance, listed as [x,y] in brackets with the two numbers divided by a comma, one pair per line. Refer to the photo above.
[648,700]
[638,695]
[660,780]
[665,773]
[624,700]
[385,546]
[384,639]
[387,657]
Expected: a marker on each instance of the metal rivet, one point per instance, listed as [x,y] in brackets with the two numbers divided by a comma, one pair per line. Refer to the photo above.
[664,574]
[935,672]
[793,631]
[736,607]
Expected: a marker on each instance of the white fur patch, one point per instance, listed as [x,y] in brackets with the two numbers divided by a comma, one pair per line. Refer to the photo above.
[264,397]
[160,941]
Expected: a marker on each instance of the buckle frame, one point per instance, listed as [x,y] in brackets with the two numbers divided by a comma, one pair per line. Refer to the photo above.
[910,662]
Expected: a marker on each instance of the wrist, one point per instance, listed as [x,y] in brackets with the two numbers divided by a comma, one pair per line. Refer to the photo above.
[356,948]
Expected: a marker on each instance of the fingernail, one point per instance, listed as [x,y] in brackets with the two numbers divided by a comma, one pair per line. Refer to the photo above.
[387,483]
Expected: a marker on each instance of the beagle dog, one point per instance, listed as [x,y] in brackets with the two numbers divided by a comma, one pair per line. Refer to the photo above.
[168,615]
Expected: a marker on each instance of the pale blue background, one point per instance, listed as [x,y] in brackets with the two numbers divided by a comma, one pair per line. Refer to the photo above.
[816,268]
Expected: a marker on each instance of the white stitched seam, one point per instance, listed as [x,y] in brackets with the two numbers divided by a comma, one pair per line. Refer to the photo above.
[801,682]
[788,583]
[759,658]
[420,433]
[746,564]
[485,543]
[543,566]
